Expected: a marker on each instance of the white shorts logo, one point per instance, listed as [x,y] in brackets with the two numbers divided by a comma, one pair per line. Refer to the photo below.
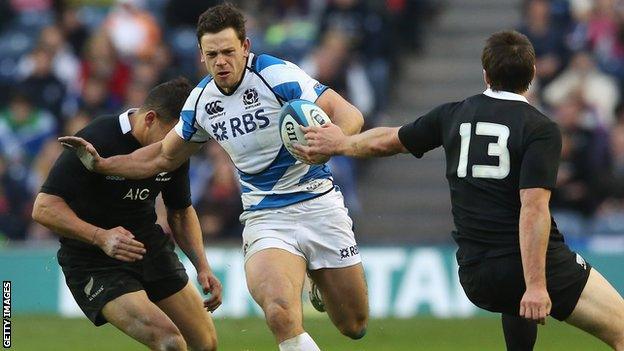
[349,252]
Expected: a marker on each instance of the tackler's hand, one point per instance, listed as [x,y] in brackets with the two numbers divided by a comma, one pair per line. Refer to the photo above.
[87,154]
[210,284]
[119,243]
[535,305]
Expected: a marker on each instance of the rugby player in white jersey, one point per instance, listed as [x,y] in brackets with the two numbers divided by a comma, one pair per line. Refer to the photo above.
[295,218]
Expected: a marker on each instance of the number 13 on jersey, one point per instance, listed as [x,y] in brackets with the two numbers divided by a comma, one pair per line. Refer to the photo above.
[498,149]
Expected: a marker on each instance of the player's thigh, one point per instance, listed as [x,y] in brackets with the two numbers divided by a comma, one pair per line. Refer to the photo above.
[600,310]
[276,275]
[186,309]
[344,292]
[134,314]
[327,239]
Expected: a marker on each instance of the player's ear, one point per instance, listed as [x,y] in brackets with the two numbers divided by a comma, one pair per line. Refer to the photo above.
[486,79]
[150,118]
[201,54]
[246,46]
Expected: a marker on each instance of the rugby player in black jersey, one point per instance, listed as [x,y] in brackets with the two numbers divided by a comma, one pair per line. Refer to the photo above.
[118,263]
[502,156]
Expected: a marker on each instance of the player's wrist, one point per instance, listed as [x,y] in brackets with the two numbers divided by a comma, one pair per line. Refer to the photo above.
[343,147]
[536,285]
[203,267]
[102,165]
[95,237]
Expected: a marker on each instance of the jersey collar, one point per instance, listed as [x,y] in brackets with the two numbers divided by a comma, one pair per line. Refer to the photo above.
[504,95]
[124,120]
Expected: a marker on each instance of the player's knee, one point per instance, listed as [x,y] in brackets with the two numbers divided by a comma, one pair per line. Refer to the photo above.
[212,347]
[618,342]
[279,314]
[164,338]
[208,345]
[171,342]
[354,328]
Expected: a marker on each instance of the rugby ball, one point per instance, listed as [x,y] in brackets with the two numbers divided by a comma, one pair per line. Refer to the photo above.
[294,114]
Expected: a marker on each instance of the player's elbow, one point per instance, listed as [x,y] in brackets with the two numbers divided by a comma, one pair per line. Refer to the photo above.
[175,217]
[351,119]
[40,209]
[358,121]
[535,200]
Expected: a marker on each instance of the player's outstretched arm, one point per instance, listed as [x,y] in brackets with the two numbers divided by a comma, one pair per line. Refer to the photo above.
[53,212]
[85,151]
[330,140]
[534,231]
[187,233]
[163,156]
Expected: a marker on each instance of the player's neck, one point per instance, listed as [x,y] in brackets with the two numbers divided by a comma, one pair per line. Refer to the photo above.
[135,128]
[231,89]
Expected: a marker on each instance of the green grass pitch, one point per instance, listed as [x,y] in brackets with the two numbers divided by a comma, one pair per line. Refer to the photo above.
[55,333]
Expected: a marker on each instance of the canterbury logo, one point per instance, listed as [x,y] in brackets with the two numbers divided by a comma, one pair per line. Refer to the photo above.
[214,107]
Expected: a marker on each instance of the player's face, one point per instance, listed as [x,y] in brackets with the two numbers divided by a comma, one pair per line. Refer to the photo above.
[225,57]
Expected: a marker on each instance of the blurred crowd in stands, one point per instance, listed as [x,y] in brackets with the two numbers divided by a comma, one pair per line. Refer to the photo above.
[64,63]
[580,83]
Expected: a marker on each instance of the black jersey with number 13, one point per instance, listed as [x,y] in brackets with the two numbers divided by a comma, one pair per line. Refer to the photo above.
[495,144]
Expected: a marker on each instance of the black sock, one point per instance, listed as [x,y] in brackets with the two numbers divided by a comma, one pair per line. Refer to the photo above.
[520,334]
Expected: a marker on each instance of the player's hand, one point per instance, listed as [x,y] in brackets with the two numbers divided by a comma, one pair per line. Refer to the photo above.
[535,305]
[327,140]
[87,154]
[210,284]
[120,244]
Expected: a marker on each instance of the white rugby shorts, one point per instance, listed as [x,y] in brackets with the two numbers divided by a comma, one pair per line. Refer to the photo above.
[319,230]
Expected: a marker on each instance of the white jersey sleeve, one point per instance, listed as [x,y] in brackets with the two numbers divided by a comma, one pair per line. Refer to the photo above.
[188,127]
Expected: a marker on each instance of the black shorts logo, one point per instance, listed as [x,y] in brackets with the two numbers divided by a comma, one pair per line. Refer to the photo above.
[89,287]
[581,261]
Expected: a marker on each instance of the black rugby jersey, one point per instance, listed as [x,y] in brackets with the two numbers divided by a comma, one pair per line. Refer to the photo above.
[111,201]
[495,144]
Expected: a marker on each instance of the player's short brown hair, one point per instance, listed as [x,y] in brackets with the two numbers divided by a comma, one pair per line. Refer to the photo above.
[508,58]
[167,99]
[220,17]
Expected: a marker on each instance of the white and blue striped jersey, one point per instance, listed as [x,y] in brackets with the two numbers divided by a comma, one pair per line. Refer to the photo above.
[246,124]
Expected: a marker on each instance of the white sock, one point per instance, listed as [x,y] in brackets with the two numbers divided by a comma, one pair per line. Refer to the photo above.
[301,342]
